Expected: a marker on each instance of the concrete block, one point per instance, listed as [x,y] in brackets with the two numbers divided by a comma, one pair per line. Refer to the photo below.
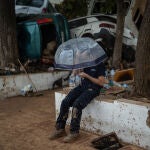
[127,118]
[12,84]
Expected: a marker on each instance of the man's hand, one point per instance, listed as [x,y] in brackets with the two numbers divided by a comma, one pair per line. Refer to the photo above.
[83,75]
[100,80]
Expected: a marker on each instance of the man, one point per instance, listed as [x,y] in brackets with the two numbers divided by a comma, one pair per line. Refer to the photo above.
[78,98]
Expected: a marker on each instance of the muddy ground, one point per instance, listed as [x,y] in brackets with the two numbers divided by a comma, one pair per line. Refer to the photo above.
[26,122]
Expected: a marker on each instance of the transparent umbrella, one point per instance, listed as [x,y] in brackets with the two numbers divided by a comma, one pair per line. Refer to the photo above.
[79,53]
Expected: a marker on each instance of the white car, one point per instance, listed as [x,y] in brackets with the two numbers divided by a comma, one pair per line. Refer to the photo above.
[90,26]
[33,7]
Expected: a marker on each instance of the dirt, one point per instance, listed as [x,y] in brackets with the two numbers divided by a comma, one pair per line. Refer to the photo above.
[26,122]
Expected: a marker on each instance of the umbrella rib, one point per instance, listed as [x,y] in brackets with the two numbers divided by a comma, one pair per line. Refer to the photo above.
[91,54]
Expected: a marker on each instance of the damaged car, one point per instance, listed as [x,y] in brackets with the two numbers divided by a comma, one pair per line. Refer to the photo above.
[40,35]
[34,7]
[91,26]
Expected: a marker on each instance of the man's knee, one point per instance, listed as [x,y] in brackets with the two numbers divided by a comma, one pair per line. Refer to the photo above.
[79,105]
[65,103]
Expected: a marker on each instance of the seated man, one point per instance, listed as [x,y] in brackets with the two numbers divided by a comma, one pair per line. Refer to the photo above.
[78,98]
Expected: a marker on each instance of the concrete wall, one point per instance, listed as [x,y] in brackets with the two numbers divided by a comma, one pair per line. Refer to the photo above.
[11,85]
[130,120]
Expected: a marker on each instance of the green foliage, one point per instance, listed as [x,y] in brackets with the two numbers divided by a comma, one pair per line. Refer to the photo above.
[72,8]
[108,7]
[111,5]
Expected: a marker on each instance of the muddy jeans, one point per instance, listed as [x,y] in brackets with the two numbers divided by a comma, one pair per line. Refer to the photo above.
[78,99]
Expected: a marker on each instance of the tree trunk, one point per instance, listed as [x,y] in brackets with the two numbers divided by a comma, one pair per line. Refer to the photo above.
[8,42]
[142,76]
[117,54]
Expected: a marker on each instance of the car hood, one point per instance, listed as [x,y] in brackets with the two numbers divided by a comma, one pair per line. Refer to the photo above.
[26,9]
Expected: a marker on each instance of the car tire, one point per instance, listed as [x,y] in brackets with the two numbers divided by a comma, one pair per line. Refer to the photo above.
[88,35]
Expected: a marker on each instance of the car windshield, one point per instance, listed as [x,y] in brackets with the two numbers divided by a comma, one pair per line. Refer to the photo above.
[34,3]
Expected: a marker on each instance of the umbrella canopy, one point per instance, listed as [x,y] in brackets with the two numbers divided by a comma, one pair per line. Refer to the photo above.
[79,53]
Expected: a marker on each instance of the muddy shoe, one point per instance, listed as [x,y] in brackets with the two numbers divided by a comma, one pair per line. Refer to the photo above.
[71,138]
[57,134]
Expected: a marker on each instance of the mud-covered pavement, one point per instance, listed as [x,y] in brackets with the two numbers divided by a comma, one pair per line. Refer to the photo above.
[26,122]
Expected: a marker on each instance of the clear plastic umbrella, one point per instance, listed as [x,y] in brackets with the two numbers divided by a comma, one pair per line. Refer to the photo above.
[79,53]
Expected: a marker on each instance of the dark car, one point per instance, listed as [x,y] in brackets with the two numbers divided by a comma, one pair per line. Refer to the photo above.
[38,34]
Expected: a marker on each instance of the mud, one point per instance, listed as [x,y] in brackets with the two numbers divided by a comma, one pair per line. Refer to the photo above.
[148,119]
[26,122]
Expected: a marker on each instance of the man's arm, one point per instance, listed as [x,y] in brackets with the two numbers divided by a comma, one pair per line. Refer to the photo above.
[99,81]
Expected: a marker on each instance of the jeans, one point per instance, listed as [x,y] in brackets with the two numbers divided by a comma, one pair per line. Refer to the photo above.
[78,98]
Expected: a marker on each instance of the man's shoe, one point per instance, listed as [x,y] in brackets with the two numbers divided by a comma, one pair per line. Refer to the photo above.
[57,134]
[71,137]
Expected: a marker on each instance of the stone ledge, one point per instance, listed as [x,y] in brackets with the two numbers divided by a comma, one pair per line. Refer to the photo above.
[128,119]
[12,84]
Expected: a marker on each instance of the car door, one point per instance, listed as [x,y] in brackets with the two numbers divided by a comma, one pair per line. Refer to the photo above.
[77,27]
[88,30]
[93,25]
[62,28]
[29,40]
[108,22]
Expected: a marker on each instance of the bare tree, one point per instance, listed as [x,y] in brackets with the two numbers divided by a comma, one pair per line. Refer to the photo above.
[142,76]
[8,42]
[117,54]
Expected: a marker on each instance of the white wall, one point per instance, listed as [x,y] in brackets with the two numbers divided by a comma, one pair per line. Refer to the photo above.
[127,118]
[12,84]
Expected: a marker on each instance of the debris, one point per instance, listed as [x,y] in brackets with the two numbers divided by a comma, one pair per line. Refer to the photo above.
[124,75]
[26,90]
[50,69]
[130,147]
[9,69]
[114,90]
[49,52]
[107,142]
[37,93]
[61,82]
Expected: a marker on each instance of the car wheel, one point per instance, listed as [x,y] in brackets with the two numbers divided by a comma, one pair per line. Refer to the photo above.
[88,35]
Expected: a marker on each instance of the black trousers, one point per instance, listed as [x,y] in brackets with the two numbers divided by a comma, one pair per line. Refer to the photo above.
[78,98]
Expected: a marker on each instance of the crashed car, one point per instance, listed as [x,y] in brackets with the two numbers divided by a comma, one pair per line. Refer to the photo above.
[91,26]
[34,7]
[40,35]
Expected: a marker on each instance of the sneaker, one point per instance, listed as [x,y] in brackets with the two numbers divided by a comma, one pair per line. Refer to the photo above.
[71,137]
[57,134]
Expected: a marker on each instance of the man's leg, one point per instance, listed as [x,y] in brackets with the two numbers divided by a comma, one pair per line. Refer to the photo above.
[65,105]
[80,103]
[64,109]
